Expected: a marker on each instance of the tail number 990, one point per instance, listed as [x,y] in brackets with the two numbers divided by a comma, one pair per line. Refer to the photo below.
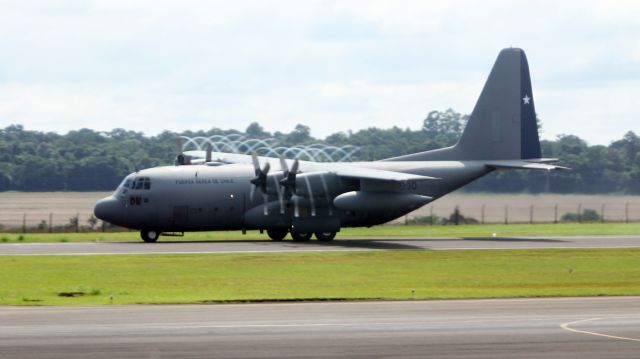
[408,185]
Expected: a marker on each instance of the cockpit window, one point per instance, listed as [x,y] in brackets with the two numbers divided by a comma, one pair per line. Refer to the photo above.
[141,183]
[124,186]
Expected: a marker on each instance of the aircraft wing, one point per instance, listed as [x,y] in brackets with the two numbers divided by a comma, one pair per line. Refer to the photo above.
[379,175]
[342,170]
[524,165]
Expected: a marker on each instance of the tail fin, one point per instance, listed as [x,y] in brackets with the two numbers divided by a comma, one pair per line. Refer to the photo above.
[503,123]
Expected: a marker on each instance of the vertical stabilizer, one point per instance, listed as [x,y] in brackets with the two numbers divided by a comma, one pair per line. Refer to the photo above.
[503,122]
[502,125]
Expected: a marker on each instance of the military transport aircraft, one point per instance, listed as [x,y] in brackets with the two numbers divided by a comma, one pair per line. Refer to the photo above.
[205,191]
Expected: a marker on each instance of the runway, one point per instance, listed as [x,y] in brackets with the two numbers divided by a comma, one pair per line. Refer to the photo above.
[259,246]
[524,328]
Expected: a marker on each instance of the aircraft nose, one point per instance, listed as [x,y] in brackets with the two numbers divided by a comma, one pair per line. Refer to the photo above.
[108,209]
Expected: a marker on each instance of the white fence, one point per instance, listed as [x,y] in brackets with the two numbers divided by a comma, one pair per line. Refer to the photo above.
[58,210]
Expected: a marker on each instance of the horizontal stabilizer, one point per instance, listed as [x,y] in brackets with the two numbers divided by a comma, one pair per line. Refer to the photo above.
[524,165]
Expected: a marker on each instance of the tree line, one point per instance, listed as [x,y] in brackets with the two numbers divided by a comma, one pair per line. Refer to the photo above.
[88,160]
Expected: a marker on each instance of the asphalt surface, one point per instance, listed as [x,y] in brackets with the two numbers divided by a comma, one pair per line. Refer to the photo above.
[505,328]
[165,246]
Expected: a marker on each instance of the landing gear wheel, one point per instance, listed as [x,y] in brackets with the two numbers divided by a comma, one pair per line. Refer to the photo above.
[149,235]
[300,237]
[277,234]
[325,236]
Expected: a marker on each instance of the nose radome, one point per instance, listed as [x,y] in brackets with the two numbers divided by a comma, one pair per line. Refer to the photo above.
[107,209]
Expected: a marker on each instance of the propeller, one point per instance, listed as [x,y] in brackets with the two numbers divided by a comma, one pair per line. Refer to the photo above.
[289,179]
[260,180]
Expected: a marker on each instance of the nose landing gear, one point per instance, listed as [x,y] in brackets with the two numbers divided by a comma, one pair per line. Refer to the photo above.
[149,235]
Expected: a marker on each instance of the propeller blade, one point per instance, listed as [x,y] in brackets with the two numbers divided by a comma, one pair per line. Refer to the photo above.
[208,156]
[256,163]
[260,180]
[283,165]
[255,181]
[178,145]
[296,207]
[179,156]
[265,199]
[279,193]
[289,180]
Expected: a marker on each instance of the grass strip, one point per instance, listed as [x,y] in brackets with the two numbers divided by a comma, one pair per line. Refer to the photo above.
[189,278]
[486,230]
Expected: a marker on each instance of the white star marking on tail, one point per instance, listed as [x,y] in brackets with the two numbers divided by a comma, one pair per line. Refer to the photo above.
[526,99]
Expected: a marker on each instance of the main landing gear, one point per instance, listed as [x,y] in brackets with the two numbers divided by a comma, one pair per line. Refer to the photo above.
[149,235]
[325,236]
[300,237]
[278,234]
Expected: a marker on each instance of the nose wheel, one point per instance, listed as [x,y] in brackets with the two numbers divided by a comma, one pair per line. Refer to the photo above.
[149,235]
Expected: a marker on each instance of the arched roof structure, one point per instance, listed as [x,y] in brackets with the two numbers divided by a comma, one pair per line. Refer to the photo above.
[236,143]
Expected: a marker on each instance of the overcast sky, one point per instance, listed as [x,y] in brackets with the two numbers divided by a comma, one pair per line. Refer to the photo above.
[332,65]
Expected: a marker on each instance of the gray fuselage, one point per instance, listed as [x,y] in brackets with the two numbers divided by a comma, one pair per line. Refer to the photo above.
[243,192]
[204,197]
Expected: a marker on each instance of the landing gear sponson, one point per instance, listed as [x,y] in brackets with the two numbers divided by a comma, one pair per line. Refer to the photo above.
[276,234]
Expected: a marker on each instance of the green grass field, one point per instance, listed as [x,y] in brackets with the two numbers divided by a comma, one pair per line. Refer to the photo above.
[486,230]
[44,280]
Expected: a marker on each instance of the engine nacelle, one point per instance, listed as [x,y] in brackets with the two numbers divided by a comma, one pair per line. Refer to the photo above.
[377,201]
[318,184]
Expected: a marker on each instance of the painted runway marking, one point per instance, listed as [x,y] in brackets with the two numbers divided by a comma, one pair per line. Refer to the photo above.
[566,326]
[302,250]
